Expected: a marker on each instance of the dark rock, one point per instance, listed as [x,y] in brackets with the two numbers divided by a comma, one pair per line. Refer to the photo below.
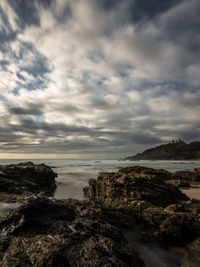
[180,183]
[147,172]
[184,175]
[40,250]
[141,193]
[26,178]
[154,216]
[11,198]
[176,224]
[134,183]
[49,232]
[194,248]
[179,229]
[187,175]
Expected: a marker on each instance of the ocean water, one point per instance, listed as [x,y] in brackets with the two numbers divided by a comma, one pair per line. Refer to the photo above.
[73,175]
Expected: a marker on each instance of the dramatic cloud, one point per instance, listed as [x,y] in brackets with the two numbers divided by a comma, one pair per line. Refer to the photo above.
[97,78]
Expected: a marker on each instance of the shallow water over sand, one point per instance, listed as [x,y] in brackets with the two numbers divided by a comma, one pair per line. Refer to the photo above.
[72,179]
[5,208]
[192,192]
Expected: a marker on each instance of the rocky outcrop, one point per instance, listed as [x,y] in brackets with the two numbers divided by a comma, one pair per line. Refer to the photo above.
[177,224]
[26,178]
[49,232]
[134,183]
[180,225]
[143,194]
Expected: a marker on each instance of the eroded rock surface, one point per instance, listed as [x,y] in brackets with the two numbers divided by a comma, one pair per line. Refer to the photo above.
[49,232]
[188,175]
[119,189]
[143,194]
[194,248]
[27,178]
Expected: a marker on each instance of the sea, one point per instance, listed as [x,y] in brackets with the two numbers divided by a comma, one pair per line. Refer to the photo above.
[73,176]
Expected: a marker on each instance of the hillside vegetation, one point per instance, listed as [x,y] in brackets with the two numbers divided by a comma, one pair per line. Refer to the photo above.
[176,150]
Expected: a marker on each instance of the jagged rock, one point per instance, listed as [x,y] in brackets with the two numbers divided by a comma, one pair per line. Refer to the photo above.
[194,248]
[179,228]
[134,183]
[182,183]
[188,175]
[143,194]
[26,178]
[146,172]
[154,215]
[176,224]
[40,250]
[49,232]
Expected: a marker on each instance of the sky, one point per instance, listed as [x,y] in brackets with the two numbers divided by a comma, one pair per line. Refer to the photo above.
[97,78]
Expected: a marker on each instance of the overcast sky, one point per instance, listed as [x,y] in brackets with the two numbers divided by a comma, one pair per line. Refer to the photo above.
[97,78]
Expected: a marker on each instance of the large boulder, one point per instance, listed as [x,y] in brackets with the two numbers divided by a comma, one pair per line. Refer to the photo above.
[49,232]
[119,189]
[26,177]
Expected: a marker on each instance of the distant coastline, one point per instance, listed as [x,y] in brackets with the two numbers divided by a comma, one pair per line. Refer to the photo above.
[176,150]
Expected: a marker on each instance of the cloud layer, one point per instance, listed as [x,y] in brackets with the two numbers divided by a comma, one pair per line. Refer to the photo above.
[99,78]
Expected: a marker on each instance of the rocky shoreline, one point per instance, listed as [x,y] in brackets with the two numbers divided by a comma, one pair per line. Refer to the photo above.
[146,194]
[44,231]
